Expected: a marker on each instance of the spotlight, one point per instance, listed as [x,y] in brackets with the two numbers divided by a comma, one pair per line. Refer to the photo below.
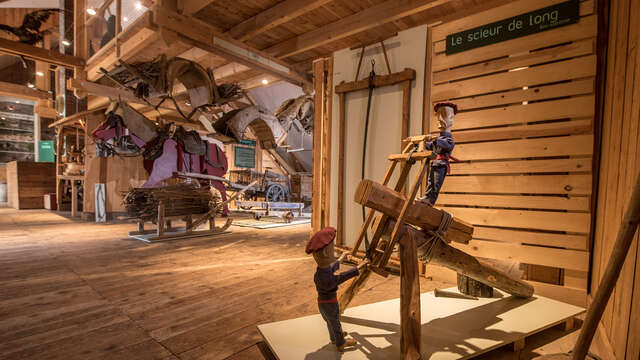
[138,5]
[91,11]
[265,81]
[125,19]
[66,42]
[31,85]
[39,73]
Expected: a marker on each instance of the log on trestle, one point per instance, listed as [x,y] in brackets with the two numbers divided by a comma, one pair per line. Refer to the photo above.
[429,248]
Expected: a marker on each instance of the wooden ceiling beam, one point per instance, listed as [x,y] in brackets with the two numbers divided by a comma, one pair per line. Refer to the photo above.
[204,36]
[386,12]
[273,17]
[32,52]
[374,16]
[191,7]
[22,91]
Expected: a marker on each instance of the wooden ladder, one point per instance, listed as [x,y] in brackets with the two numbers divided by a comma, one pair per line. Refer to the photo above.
[379,252]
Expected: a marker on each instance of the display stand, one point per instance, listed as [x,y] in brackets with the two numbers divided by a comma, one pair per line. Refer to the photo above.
[452,328]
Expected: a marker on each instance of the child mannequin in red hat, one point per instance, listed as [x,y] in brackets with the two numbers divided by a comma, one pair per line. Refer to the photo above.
[321,245]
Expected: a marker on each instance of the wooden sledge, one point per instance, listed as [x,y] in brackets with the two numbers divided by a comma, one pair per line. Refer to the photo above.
[165,232]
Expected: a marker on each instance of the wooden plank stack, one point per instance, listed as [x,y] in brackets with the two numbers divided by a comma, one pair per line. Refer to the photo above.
[524,135]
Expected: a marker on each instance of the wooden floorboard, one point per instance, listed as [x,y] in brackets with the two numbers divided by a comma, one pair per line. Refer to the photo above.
[80,290]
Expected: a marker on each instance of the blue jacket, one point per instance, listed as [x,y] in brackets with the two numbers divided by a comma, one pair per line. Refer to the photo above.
[442,145]
[327,282]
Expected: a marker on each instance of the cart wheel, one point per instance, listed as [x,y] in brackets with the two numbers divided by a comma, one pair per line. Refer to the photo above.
[275,193]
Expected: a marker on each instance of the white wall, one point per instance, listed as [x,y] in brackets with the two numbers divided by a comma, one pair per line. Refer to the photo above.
[407,50]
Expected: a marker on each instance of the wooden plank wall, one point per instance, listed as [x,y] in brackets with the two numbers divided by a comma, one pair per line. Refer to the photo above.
[525,136]
[620,165]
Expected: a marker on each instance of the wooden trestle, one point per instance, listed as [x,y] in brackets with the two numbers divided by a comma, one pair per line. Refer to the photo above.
[391,228]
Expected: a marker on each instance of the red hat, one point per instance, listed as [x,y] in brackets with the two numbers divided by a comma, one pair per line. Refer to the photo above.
[320,239]
[446,103]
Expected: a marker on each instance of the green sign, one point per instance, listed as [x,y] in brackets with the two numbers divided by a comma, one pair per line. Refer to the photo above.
[244,157]
[522,25]
[45,151]
[248,142]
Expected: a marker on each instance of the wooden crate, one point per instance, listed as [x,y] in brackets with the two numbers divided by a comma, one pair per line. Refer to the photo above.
[28,182]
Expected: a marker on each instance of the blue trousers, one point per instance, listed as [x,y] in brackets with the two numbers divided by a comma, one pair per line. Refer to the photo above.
[331,314]
[435,179]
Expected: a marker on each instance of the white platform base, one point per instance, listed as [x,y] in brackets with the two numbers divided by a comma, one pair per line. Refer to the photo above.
[452,328]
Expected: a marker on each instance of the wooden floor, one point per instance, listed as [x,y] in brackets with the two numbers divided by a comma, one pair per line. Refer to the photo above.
[78,290]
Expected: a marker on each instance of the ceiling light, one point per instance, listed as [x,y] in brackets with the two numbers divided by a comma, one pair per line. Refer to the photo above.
[31,85]
[525,88]
[265,81]
[525,102]
[138,5]
[125,19]
[17,101]
[91,11]
[66,42]
[39,73]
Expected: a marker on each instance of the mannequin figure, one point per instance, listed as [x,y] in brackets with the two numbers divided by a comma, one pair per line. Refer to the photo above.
[321,245]
[442,146]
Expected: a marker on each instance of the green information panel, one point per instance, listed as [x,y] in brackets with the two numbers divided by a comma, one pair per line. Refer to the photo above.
[248,142]
[45,151]
[522,25]
[245,157]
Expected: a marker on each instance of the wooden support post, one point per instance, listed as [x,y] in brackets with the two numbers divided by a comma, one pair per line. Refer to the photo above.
[406,104]
[341,140]
[316,203]
[168,225]
[189,221]
[160,221]
[569,324]
[141,226]
[74,199]
[326,140]
[212,223]
[519,345]
[80,45]
[410,324]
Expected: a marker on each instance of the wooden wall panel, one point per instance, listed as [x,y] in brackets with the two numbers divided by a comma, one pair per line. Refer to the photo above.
[28,182]
[620,165]
[524,134]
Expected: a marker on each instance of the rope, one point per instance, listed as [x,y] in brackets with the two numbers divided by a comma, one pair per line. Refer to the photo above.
[436,236]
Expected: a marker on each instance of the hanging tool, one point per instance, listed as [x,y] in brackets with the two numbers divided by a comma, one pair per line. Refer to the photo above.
[372,76]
